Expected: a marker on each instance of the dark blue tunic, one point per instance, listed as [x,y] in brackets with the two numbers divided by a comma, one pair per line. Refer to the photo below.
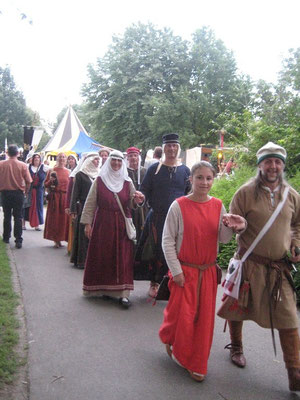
[160,190]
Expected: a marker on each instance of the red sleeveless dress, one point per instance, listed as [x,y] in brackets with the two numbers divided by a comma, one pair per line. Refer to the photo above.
[191,340]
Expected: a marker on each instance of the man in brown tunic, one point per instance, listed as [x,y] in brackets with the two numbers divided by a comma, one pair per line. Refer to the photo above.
[266,293]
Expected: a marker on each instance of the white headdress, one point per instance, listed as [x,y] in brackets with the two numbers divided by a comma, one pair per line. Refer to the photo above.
[81,161]
[89,168]
[114,180]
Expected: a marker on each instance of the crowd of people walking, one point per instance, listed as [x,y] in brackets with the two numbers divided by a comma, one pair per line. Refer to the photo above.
[125,222]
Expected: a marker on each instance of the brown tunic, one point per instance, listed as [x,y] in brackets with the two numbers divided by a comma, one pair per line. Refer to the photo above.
[56,218]
[284,232]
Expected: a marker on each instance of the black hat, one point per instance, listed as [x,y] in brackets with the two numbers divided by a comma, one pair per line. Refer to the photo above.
[170,138]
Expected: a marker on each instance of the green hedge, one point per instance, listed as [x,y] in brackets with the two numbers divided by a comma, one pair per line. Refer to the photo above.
[224,189]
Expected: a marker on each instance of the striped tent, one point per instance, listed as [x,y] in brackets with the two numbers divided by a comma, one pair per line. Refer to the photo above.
[71,136]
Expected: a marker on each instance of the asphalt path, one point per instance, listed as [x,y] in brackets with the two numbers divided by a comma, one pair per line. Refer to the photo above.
[92,349]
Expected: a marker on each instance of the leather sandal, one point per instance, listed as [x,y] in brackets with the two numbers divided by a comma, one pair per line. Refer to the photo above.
[236,354]
[196,377]
[169,350]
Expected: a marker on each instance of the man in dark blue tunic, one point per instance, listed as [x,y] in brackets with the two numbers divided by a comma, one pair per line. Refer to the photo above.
[163,183]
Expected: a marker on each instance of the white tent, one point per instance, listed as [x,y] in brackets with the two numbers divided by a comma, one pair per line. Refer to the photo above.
[71,136]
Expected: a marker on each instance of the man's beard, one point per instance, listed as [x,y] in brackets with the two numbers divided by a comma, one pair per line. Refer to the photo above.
[274,178]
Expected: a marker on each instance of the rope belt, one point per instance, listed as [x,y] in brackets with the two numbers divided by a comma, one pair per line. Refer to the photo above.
[280,267]
[202,268]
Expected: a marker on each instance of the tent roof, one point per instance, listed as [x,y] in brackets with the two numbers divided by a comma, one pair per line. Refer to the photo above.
[71,135]
[85,142]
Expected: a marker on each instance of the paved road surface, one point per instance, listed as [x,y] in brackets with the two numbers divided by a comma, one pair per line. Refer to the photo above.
[91,349]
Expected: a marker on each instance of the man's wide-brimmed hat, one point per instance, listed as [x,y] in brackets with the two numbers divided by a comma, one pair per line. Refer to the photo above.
[271,150]
[170,138]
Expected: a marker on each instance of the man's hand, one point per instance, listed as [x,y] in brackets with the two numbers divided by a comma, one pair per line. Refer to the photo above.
[235,222]
[179,279]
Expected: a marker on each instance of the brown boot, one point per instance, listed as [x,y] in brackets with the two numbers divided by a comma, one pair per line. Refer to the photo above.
[289,340]
[294,379]
[236,345]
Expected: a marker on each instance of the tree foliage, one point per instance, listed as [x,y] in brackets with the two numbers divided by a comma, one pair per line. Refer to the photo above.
[276,114]
[151,82]
[13,111]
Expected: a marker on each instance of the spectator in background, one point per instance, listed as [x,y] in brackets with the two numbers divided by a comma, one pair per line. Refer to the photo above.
[15,181]
[157,154]
[229,166]
[71,162]
[136,173]
[103,153]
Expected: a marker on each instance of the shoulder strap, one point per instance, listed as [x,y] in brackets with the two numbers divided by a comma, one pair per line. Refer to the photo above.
[119,204]
[267,225]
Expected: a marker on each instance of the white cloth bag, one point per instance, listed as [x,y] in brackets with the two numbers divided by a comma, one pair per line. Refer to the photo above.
[130,228]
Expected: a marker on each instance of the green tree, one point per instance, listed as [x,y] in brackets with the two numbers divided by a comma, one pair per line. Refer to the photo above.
[217,91]
[151,82]
[140,73]
[13,111]
[277,112]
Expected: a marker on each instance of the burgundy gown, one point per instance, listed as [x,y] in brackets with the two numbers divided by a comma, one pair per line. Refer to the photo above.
[109,262]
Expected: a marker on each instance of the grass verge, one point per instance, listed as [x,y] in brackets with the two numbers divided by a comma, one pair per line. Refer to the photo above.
[9,336]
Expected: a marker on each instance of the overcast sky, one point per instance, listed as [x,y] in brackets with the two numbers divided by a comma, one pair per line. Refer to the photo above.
[48,59]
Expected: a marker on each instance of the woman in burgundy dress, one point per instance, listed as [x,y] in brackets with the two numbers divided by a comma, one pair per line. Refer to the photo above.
[109,263]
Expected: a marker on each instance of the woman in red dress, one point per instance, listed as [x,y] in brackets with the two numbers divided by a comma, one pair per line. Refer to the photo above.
[109,263]
[194,225]
[56,184]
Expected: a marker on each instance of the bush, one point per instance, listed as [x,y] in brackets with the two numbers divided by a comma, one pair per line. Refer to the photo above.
[224,189]
[226,252]
[295,181]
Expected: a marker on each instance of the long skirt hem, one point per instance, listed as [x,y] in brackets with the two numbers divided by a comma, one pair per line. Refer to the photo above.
[110,293]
